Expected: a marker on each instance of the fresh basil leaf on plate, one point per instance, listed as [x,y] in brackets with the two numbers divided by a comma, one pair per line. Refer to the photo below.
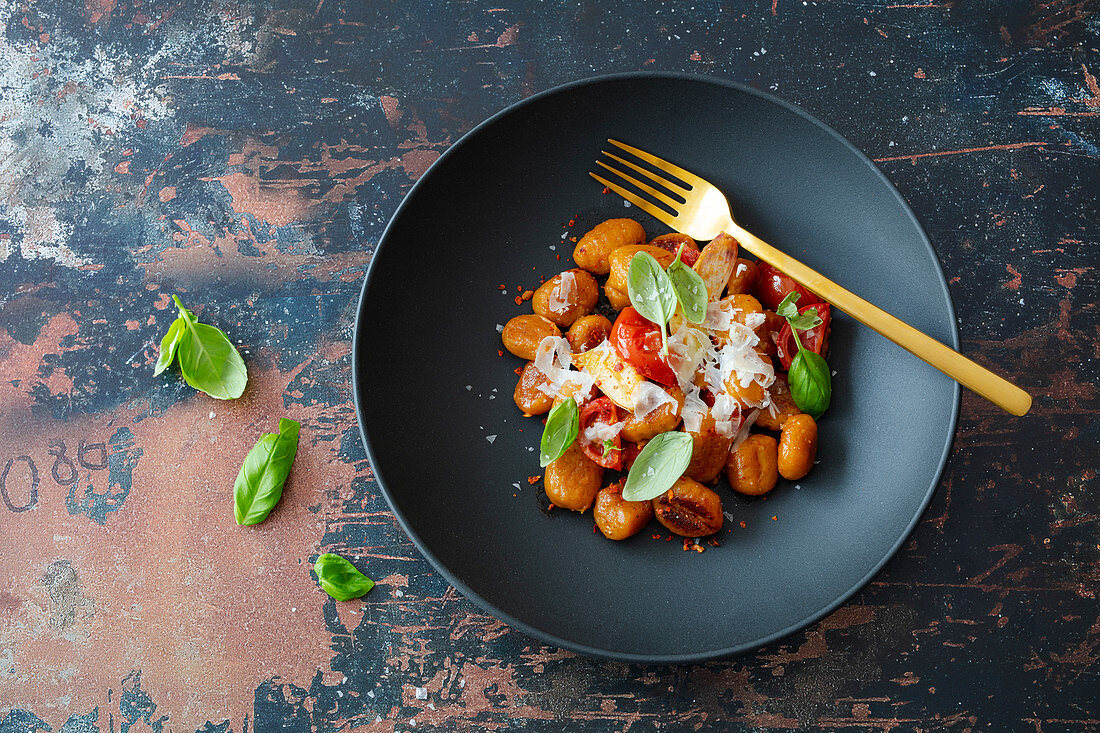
[169,344]
[662,461]
[259,484]
[562,426]
[339,578]
[651,292]
[811,382]
[208,360]
[690,289]
[788,307]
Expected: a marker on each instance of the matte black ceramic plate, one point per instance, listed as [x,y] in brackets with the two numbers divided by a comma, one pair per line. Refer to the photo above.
[432,391]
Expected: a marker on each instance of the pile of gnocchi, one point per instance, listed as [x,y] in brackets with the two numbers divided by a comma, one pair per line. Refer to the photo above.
[671,401]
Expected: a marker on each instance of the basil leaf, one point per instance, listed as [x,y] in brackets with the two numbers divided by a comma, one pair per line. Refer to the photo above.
[208,361]
[562,426]
[805,321]
[788,307]
[168,345]
[259,484]
[339,578]
[651,292]
[690,289]
[811,383]
[662,461]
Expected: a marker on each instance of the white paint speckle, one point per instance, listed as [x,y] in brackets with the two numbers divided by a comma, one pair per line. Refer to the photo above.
[490,438]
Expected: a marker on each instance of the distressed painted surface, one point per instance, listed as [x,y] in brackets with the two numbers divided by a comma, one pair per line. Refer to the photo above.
[247,155]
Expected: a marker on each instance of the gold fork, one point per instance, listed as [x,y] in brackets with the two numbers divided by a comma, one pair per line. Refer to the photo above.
[704,213]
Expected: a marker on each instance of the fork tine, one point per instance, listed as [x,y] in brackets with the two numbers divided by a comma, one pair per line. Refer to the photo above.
[660,196]
[676,188]
[686,176]
[655,211]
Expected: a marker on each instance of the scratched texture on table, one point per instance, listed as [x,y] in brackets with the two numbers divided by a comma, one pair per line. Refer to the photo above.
[247,156]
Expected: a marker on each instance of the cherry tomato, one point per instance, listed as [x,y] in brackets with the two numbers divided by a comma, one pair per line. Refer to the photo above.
[772,286]
[601,410]
[672,243]
[638,342]
[816,339]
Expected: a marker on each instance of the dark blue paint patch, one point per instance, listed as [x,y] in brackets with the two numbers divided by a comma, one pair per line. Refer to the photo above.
[135,704]
[121,462]
[82,723]
[22,721]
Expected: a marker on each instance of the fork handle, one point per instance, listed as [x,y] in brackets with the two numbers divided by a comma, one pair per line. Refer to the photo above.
[997,390]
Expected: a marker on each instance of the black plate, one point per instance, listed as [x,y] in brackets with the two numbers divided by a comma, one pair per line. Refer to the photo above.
[490,212]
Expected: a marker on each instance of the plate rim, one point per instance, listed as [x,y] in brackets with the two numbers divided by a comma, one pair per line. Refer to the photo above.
[545,636]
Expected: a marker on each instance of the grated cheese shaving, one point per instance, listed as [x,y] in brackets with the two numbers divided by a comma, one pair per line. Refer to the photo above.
[561,296]
[647,397]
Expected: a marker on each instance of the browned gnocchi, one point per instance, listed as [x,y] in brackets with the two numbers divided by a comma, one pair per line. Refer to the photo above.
[670,405]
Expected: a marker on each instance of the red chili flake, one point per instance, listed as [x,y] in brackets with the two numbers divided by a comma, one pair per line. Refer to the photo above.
[742,525]
[606,190]
[518,370]
[550,508]
[527,294]
[687,544]
[572,239]
[698,548]
[519,288]
[559,257]
[775,519]
[572,222]
[519,300]
[712,542]
[594,528]
[534,480]
[655,536]
[503,287]
[500,353]
[668,539]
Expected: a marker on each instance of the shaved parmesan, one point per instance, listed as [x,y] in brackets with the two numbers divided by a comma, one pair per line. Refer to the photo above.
[561,296]
[694,411]
[553,358]
[743,432]
[647,397]
[599,432]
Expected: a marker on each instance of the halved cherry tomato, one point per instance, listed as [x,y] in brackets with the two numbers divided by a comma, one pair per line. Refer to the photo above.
[816,339]
[772,286]
[601,410]
[638,342]
[672,243]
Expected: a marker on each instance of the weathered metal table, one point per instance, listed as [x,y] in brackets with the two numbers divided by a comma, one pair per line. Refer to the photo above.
[247,155]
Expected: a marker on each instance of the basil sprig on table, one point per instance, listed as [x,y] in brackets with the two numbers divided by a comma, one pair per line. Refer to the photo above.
[259,484]
[207,359]
[809,377]
[690,289]
[662,461]
[651,293]
[339,578]
[562,426]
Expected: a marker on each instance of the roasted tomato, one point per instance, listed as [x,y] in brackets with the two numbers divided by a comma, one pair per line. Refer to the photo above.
[672,243]
[602,410]
[772,286]
[816,339]
[638,343]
